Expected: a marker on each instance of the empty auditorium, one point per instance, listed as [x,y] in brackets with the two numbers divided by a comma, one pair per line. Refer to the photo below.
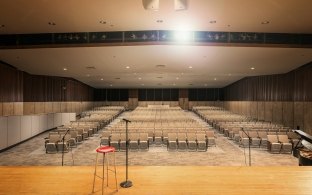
[156,97]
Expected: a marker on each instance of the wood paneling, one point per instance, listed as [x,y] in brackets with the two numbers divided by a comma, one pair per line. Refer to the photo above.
[18,108]
[277,116]
[268,111]
[288,114]
[29,108]
[7,109]
[308,117]
[260,110]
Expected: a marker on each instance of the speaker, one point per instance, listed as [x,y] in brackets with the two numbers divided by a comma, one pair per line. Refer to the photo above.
[151,4]
[180,5]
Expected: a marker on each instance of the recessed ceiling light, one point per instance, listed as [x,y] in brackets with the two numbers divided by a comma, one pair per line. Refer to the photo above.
[177,78]
[173,84]
[160,66]
[206,84]
[102,22]
[51,23]
[87,75]
[135,73]
[190,84]
[212,21]
[102,79]
[142,84]
[265,22]
[140,78]
[117,78]
[190,67]
[127,67]
[159,77]
[229,74]
[182,73]
[252,68]
[215,79]
[159,21]
[90,67]
[111,85]
[64,69]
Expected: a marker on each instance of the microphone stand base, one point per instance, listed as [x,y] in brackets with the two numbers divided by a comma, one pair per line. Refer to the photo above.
[126,184]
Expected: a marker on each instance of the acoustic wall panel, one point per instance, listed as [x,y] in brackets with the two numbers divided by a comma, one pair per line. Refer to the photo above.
[288,114]
[14,130]
[3,132]
[261,110]
[277,112]
[35,125]
[50,120]
[43,122]
[56,107]
[25,127]
[39,107]
[29,108]
[48,107]
[268,111]
[308,117]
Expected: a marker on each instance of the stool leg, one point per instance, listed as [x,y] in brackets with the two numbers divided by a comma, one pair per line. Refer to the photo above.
[96,159]
[115,172]
[103,173]
[107,165]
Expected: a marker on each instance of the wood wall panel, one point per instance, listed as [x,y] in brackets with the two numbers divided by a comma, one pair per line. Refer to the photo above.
[48,107]
[18,108]
[253,109]
[56,107]
[260,110]
[308,117]
[268,111]
[288,114]
[29,108]
[298,115]
[277,112]
[7,108]
[39,107]
[1,109]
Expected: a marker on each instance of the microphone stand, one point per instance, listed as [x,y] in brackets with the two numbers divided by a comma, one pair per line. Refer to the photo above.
[63,140]
[127,183]
[249,140]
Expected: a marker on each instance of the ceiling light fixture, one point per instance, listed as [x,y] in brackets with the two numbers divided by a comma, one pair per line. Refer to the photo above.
[140,78]
[252,68]
[215,79]
[190,67]
[102,79]
[102,22]
[111,85]
[182,36]
[127,67]
[177,78]
[64,69]
[87,75]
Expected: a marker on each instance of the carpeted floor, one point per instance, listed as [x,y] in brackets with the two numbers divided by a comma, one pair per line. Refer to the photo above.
[226,153]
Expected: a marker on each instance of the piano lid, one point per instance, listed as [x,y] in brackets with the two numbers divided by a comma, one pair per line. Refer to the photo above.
[304,135]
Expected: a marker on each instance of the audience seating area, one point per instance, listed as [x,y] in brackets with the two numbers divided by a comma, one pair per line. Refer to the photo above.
[78,131]
[244,131]
[160,126]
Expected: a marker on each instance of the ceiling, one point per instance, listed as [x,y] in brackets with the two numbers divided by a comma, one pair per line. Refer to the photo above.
[106,66]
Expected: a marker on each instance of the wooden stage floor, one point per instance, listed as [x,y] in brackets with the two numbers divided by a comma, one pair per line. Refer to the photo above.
[157,180]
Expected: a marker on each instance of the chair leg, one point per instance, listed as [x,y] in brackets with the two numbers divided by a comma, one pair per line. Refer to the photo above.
[115,172]
[103,174]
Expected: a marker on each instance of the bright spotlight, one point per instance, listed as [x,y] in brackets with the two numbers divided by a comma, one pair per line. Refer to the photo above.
[182,36]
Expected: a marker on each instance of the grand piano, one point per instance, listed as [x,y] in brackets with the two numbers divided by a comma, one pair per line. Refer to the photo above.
[303,149]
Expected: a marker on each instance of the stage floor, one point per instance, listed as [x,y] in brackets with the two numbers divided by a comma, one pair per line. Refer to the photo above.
[157,180]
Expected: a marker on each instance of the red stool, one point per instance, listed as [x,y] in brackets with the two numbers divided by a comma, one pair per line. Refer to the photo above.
[104,150]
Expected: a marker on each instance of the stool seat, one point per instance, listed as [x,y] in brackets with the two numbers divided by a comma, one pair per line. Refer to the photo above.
[105,149]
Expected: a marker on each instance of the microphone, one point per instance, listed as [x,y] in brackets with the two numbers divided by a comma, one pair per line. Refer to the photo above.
[126,120]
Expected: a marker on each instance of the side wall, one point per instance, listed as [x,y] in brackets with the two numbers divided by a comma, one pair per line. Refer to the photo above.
[283,98]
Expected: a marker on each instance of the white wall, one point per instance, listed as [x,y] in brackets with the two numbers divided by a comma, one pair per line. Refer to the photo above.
[15,129]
